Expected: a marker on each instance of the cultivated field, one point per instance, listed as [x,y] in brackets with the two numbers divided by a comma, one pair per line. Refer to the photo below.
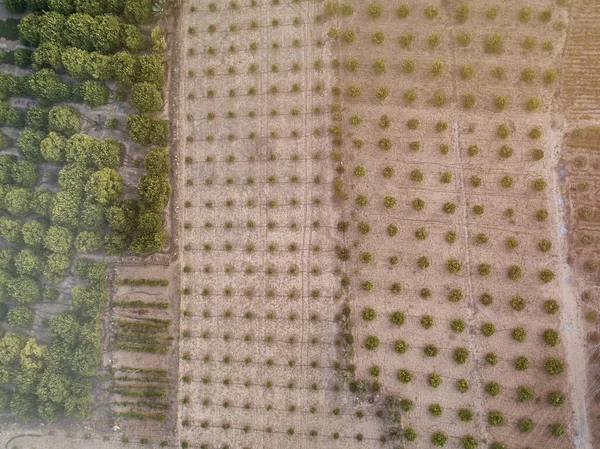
[261,280]
[383,234]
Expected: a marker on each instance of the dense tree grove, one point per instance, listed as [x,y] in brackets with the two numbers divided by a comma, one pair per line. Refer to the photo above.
[77,46]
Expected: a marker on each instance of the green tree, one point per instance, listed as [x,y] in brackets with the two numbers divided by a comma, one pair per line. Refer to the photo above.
[29,144]
[150,223]
[6,165]
[156,162]
[77,31]
[66,208]
[108,153]
[42,202]
[154,192]
[50,27]
[64,120]
[151,69]
[23,406]
[52,148]
[25,173]
[89,300]
[147,130]
[93,216]
[7,256]
[23,289]
[46,87]
[146,97]
[56,266]
[21,317]
[28,263]
[137,11]
[123,217]
[34,232]
[94,94]
[79,148]
[37,118]
[87,242]
[148,243]
[18,201]
[123,67]
[131,38]
[73,60]
[10,230]
[105,186]
[58,239]
[106,33]
[98,66]
[48,54]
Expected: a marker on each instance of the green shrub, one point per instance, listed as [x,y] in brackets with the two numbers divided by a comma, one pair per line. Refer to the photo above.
[525,393]
[375,10]
[518,303]
[423,262]
[533,104]
[439,439]
[434,40]
[406,404]
[461,355]
[515,272]
[421,233]
[403,11]
[404,376]
[431,12]
[368,314]
[493,388]
[546,275]
[545,245]
[463,385]
[484,269]
[435,409]
[551,337]
[465,414]
[525,14]
[519,334]
[467,72]
[455,295]
[494,43]
[495,418]
[406,40]
[488,329]
[491,358]
[464,40]
[400,347]
[458,325]
[521,363]
[427,321]
[469,442]
[410,434]
[556,398]
[453,266]
[437,68]
[451,236]
[554,367]
[410,96]
[378,37]
[435,380]
[397,317]
[557,430]
[430,350]
[372,342]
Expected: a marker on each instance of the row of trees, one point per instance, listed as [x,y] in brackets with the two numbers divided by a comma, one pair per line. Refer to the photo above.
[124,67]
[46,87]
[133,11]
[55,380]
